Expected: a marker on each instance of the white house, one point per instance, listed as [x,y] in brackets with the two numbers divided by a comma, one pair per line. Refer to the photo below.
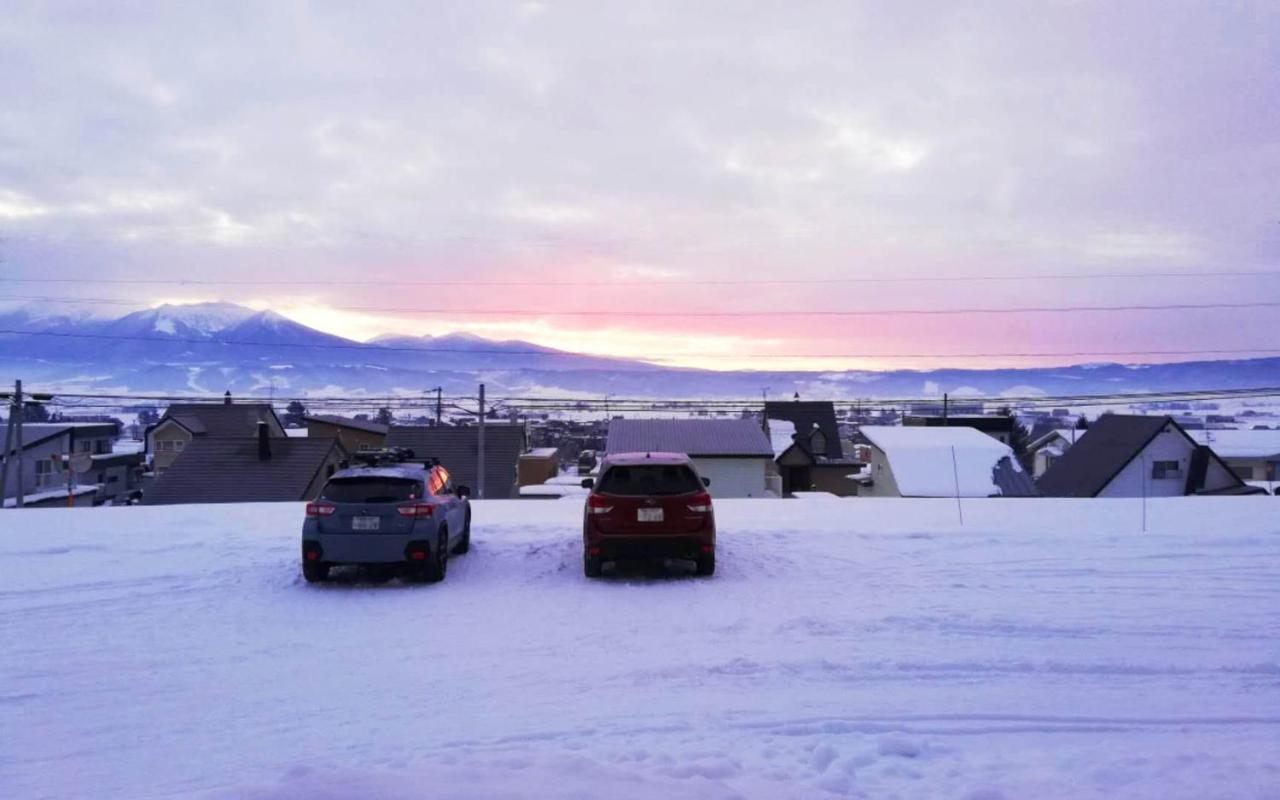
[733,453]
[1134,456]
[1253,455]
[1049,447]
[940,462]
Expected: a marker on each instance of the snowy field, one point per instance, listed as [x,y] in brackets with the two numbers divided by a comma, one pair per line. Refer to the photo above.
[866,648]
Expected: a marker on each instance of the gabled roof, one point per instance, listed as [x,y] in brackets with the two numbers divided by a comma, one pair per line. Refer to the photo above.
[221,420]
[1107,447]
[806,415]
[1068,435]
[943,462]
[367,426]
[226,470]
[699,438]
[457,448]
[37,433]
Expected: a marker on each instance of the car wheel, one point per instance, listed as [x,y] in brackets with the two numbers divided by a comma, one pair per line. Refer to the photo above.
[707,563]
[435,568]
[315,573]
[464,544]
[592,566]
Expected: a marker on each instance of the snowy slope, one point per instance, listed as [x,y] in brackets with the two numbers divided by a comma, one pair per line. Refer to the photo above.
[852,647]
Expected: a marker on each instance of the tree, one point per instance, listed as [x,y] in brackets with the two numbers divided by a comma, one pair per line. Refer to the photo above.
[295,414]
[1019,440]
[148,416]
[383,417]
[1082,424]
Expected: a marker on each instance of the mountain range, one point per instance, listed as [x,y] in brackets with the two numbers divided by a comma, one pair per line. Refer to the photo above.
[212,347]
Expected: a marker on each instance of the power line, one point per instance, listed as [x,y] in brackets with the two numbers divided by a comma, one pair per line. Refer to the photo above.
[666,282]
[547,353]
[899,312]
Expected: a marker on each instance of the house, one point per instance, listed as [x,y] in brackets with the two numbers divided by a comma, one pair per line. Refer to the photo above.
[998,427]
[1253,455]
[940,462]
[733,453]
[355,435]
[1049,447]
[458,449]
[45,448]
[808,453]
[250,469]
[537,466]
[1134,456]
[184,422]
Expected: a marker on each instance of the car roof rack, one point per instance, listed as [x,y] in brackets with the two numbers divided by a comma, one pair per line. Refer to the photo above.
[390,456]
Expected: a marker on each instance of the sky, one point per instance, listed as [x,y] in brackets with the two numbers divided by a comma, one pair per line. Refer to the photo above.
[632,159]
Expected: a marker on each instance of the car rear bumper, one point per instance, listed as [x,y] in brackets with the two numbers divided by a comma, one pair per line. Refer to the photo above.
[365,548]
[650,546]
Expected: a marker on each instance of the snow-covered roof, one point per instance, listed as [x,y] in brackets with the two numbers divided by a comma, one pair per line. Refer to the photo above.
[781,433]
[51,494]
[296,433]
[543,452]
[1068,435]
[553,490]
[1240,443]
[922,464]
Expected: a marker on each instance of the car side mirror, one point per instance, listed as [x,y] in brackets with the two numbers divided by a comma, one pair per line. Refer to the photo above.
[706,481]
[463,491]
[588,483]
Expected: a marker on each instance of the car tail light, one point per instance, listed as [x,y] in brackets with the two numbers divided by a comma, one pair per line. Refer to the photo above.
[598,505]
[700,503]
[416,510]
[321,509]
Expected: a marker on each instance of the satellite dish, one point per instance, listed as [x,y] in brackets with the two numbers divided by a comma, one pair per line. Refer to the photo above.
[81,463]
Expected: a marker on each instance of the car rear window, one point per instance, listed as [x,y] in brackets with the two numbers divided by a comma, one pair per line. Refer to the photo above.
[371,490]
[658,479]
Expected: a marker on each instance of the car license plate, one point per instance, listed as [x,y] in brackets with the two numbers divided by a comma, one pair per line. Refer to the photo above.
[365,523]
[649,515]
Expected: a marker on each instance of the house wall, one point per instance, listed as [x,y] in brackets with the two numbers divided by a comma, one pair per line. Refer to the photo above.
[33,480]
[351,439]
[1168,445]
[832,479]
[1252,469]
[332,463]
[163,455]
[882,480]
[534,470]
[734,477]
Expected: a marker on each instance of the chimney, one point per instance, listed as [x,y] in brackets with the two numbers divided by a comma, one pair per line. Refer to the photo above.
[226,398]
[264,442]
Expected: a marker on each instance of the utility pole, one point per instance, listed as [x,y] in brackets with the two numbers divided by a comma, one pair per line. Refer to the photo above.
[945,403]
[8,448]
[480,454]
[20,411]
[439,405]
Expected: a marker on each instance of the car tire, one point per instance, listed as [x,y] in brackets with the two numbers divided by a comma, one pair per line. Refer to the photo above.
[464,544]
[592,566]
[313,572]
[707,564]
[436,568]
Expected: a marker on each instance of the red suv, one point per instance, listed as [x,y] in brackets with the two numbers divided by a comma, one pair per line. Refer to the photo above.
[648,505]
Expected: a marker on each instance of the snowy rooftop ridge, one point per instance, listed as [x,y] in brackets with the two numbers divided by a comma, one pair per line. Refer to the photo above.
[923,465]
[1240,443]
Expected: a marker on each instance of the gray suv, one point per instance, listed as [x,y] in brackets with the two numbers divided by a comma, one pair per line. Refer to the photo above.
[405,515]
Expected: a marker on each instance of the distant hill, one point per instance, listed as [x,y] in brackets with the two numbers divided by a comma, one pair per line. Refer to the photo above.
[211,347]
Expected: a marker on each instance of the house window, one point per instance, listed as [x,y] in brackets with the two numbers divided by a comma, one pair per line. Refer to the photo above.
[178,444]
[86,446]
[1165,470]
[44,471]
[164,446]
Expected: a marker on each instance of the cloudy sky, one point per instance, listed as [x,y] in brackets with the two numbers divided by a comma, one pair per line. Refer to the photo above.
[652,158]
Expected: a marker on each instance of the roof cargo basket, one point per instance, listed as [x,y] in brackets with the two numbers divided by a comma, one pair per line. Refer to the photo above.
[388,455]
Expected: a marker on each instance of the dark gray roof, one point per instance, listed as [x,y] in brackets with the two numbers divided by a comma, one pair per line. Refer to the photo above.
[805,415]
[368,426]
[221,470]
[35,433]
[457,447]
[695,437]
[1110,443]
[219,420]
[987,423]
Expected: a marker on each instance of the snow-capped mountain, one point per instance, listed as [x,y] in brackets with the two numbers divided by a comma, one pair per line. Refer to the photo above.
[211,347]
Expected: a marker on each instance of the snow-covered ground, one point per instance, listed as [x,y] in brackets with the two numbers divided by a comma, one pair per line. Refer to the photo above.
[873,648]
